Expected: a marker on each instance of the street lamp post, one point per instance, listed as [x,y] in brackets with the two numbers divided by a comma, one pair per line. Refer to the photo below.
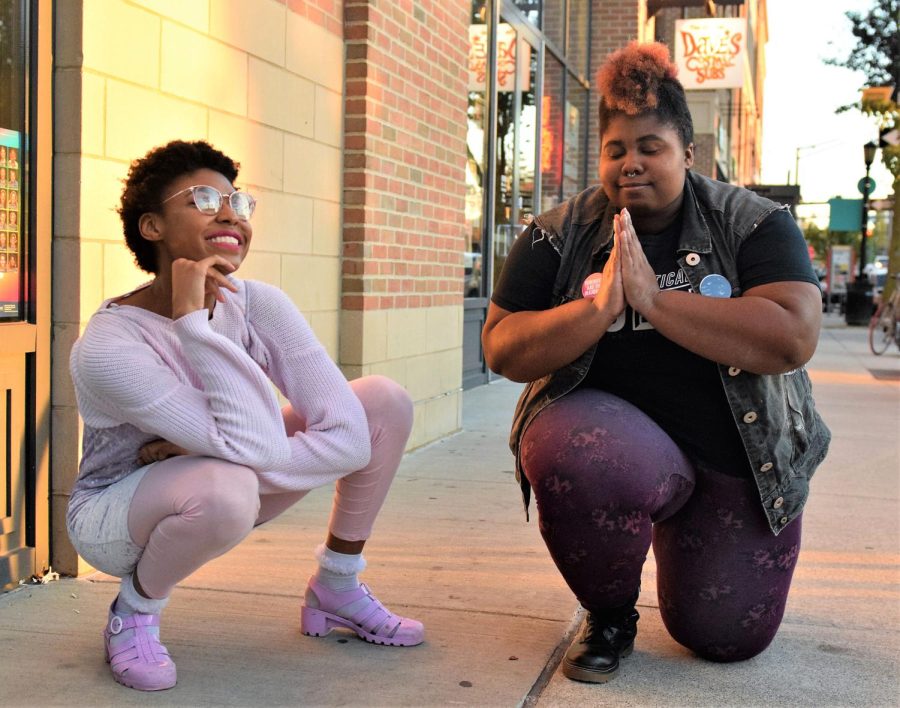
[859,296]
[869,156]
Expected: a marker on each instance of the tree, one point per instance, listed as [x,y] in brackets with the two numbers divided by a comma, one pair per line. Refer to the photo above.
[877,50]
[823,239]
[877,55]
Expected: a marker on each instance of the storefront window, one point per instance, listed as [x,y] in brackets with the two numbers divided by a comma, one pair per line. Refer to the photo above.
[528,134]
[531,9]
[526,138]
[12,160]
[475,161]
[516,142]
[552,133]
[576,125]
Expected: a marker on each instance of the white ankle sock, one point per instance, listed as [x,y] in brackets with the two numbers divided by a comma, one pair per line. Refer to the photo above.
[338,571]
[130,602]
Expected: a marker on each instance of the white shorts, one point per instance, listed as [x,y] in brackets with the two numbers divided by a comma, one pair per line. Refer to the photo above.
[99,530]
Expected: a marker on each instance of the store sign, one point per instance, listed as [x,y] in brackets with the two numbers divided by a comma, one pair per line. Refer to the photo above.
[507,47]
[10,222]
[710,53]
[839,261]
[844,214]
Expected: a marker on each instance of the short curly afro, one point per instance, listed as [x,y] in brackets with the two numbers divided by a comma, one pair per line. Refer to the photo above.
[641,78]
[148,179]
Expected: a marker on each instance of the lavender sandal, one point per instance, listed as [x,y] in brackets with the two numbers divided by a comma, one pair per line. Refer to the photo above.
[374,622]
[138,661]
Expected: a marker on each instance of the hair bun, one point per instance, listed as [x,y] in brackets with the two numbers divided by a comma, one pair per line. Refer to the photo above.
[630,77]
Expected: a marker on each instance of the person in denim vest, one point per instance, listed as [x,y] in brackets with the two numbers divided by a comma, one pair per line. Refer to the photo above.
[661,321]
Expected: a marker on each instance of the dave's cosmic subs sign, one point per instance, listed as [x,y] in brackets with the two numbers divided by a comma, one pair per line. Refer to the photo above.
[710,53]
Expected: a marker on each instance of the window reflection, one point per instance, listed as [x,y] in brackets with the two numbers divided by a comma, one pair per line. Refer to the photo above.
[517,164]
[515,152]
[552,134]
[531,9]
[575,126]
[554,22]
[475,165]
[578,40]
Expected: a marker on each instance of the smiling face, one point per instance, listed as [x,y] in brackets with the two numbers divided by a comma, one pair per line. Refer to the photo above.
[181,230]
[642,168]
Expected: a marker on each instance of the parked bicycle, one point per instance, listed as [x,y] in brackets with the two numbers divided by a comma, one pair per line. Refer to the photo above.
[884,326]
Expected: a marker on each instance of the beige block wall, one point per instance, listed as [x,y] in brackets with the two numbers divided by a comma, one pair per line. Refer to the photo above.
[253,78]
[418,347]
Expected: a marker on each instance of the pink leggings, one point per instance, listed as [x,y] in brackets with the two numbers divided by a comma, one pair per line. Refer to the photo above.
[188,510]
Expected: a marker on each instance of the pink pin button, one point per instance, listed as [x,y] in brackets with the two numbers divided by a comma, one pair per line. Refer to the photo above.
[591,285]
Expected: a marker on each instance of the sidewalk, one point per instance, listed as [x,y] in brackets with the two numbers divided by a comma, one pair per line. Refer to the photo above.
[452,548]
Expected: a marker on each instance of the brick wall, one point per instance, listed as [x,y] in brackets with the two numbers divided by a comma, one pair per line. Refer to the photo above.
[615,23]
[260,79]
[404,200]
[705,154]
[328,14]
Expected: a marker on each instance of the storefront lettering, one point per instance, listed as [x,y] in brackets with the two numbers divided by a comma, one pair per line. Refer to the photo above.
[506,60]
[709,57]
[710,52]
[507,44]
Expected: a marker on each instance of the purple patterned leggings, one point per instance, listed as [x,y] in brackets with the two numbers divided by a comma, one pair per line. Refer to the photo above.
[608,482]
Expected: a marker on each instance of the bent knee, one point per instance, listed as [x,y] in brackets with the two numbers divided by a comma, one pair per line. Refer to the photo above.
[725,642]
[730,652]
[225,499]
[384,400]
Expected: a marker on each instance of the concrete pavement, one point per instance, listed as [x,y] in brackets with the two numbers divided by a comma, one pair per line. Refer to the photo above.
[452,549]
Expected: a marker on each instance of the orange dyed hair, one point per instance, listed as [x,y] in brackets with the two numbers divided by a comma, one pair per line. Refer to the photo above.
[629,78]
[640,78]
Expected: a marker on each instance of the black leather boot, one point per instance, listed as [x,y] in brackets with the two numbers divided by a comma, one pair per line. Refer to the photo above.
[607,636]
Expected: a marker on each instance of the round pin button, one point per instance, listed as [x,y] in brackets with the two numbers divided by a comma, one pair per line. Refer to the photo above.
[692,259]
[591,285]
[715,285]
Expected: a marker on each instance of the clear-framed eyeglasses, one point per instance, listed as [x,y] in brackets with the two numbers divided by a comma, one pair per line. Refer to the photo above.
[209,200]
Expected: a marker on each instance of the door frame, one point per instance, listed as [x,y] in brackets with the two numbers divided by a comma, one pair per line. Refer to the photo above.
[31,336]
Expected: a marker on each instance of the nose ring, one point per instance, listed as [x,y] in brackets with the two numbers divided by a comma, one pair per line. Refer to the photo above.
[631,174]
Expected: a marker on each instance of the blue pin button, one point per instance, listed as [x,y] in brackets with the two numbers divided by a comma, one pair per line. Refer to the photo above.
[715,285]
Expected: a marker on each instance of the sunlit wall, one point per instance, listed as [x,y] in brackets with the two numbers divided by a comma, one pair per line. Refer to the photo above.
[261,80]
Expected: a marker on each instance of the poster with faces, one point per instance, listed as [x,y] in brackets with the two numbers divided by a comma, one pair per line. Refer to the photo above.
[10,222]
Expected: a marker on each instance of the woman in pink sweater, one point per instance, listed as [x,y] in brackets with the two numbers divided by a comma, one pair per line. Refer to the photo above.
[186,448]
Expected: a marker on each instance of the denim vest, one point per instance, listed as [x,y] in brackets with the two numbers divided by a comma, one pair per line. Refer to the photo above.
[782,434]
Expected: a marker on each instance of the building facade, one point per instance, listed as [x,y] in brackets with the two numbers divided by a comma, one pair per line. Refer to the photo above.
[397,149]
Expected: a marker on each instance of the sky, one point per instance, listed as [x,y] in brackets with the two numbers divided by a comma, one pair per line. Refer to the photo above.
[801,95]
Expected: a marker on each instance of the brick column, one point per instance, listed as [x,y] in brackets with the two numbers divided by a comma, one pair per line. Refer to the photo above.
[614,24]
[404,198]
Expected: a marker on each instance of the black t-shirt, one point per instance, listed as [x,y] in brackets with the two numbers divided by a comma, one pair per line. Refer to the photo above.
[680,390]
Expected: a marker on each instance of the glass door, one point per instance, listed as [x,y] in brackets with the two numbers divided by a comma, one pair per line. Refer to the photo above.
[502,175]
[24,335]
[517,140]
